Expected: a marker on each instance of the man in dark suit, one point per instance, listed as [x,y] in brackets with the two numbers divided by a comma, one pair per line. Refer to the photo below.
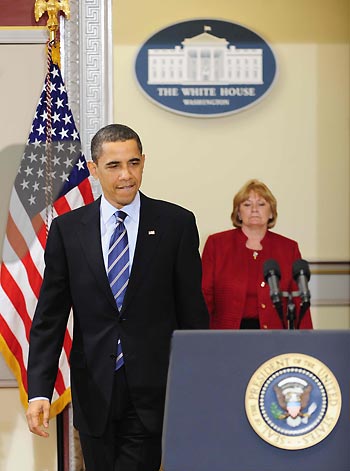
[117,410]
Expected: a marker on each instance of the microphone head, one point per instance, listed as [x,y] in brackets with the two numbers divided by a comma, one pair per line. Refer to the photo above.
[271,267]
[301,266]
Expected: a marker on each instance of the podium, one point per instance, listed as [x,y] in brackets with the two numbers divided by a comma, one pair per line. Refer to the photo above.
[257,400]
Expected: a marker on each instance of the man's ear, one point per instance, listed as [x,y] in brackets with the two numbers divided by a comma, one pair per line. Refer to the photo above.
[92,168]
[143,157]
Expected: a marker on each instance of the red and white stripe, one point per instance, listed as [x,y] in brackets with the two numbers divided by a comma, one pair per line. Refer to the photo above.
[21,275]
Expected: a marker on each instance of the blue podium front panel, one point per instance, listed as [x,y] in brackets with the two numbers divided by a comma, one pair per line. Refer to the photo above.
[258,401]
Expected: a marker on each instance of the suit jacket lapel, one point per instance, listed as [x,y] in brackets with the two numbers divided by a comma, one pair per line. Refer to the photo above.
[90,238]
[149,235]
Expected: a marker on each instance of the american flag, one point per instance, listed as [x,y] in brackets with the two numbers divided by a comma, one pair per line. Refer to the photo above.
[52,179]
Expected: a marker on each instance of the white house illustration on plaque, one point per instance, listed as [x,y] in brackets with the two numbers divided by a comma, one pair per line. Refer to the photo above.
[205,59]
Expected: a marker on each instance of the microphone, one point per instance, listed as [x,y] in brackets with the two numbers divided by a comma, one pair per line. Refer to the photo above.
[272,275]
[301,274]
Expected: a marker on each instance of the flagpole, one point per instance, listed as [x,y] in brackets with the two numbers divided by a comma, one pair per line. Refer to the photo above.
[53,8]
[62,424]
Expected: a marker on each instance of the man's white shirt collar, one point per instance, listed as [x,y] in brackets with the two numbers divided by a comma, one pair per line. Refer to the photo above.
[108,210]
[108,224]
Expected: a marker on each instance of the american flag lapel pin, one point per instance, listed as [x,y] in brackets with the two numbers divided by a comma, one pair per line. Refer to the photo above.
[151,232]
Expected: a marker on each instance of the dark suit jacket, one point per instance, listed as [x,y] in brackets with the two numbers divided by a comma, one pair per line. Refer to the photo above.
[164,293]
[225,278]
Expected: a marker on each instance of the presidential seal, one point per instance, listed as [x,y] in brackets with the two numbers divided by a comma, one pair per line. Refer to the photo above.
[293,401]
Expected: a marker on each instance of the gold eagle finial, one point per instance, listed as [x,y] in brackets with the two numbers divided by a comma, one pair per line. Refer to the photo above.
[52,7]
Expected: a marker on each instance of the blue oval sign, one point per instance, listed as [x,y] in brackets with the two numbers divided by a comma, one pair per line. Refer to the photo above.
[205,68]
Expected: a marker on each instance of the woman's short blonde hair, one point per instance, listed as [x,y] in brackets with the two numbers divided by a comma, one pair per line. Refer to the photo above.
[243,194]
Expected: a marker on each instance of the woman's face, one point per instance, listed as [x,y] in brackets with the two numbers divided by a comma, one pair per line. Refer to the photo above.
[255,211]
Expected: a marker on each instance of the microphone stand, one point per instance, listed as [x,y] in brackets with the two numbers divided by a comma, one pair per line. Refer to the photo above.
[279,308]
[303,308]
[291,316]
[291,310]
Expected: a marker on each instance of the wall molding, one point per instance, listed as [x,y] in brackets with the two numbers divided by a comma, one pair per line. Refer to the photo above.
[87,70]
[330,283]
[87,66]
[23,35]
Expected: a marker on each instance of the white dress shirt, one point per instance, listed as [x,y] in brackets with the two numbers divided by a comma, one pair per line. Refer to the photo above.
[108,225]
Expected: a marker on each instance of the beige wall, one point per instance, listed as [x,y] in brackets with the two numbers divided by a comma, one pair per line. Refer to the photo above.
[296,140]
[22,72]
[20,450]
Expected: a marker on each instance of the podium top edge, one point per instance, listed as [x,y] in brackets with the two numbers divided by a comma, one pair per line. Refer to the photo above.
[212,332]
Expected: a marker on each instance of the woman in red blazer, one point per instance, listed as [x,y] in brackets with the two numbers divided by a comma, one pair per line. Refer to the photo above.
[234,287]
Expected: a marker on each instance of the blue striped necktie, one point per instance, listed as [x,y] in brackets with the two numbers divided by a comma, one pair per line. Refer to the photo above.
[118,269]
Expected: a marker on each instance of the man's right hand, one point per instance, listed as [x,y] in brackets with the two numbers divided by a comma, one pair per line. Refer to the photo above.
[37,415]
